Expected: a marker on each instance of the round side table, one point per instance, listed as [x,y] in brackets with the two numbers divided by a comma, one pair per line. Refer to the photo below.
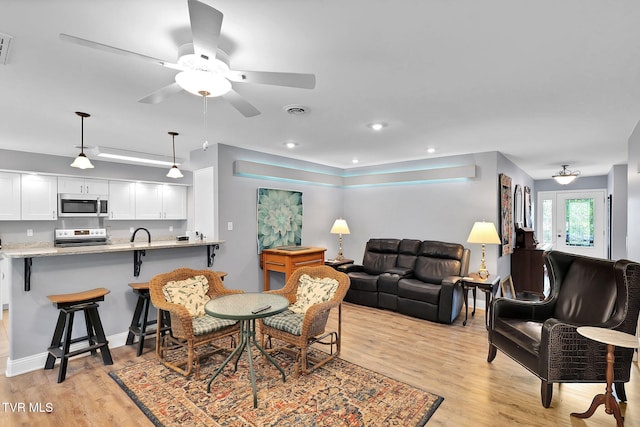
[612,339]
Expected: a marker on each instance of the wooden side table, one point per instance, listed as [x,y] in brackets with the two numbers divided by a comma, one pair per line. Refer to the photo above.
[287,259]
[611,338]
[489,286]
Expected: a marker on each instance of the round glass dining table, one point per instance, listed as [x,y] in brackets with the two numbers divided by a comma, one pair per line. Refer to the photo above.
[246,308]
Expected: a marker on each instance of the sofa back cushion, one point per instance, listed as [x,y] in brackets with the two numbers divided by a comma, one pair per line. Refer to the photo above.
[407,253]
[588,293]
[438,260]
[380,255]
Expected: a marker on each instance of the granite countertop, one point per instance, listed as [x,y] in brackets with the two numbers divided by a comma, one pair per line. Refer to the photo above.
[46,250]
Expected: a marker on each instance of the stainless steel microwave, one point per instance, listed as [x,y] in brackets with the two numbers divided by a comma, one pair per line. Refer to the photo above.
[82,205]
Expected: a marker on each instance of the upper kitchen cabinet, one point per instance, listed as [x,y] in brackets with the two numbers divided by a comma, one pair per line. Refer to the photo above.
[75,185]
[122,200]
[10,190]
[161,201]
[174,201]
[39,197]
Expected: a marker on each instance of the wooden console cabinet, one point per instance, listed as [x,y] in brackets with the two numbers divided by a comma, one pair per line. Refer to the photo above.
[287,259]
[528,270]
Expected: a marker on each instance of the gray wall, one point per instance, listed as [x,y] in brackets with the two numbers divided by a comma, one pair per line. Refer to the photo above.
[437,210]
[633,198]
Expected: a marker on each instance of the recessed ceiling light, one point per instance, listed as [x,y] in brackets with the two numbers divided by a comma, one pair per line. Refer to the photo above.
[290,145]
[377,126]
[431,150]
[354,161]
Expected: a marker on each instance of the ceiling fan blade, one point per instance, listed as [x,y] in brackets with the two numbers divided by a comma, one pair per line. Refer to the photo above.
[304,81]
[118,51]
[161,94]
[241,104]
[205,28]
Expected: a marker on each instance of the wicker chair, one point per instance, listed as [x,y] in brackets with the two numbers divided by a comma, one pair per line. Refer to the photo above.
[208,330]
[312,323]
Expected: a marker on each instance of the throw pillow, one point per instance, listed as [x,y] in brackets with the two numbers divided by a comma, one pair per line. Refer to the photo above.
[313,290]
[191,293]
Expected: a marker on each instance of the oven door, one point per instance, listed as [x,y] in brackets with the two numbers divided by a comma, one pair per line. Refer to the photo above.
[77,205]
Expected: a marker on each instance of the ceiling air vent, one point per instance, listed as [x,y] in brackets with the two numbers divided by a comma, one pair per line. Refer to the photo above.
[296,110]
[5,42]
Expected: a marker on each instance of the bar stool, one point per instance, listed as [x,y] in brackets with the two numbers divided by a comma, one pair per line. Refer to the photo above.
[68,304]
[140,320]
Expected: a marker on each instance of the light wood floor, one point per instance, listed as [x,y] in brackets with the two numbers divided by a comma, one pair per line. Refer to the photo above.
[449,360]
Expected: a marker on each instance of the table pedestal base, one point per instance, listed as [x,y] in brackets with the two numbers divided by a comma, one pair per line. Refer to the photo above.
[248,328]
[610,403]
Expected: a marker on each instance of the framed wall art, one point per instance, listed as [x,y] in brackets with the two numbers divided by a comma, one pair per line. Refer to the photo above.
[279,218]
[506,214]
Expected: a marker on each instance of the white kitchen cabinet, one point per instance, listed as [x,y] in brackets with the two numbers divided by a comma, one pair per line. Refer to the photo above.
[74,185]
[174,202]
[39,197]
[10,190]
[161,201]
[148,201]
[122,200]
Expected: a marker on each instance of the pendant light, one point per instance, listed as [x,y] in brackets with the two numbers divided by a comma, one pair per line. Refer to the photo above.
[174,172]
[565,176]
[82,161]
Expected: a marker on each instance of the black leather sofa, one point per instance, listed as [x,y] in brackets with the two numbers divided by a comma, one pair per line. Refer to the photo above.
[413,277]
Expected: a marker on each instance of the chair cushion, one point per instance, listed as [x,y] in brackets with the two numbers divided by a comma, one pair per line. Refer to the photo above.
[190,293]
[207,324]
[287,321]
[525,334]
[313,290]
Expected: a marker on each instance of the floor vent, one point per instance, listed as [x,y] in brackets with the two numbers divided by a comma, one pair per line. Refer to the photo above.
[5,43]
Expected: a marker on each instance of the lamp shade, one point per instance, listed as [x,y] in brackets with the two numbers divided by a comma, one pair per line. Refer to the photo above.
[340,227]
[174,172]
[82,162]
[484,232]
[565,176]
[195,82]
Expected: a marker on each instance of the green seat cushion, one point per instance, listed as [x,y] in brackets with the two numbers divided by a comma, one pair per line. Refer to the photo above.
[206,324]
[287,321]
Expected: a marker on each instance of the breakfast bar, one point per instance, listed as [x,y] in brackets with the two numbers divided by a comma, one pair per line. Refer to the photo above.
[53,270]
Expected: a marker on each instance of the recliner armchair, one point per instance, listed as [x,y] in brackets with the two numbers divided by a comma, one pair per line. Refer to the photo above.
[542,336]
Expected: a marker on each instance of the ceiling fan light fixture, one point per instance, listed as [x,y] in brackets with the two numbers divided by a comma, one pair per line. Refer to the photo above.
[196,82]
[82,161]
[565,176]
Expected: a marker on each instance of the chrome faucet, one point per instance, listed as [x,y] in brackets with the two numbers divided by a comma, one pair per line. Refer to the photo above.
[133,236]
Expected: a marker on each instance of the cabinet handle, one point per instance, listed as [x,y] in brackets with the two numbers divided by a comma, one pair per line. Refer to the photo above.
[87,188]
[53,214]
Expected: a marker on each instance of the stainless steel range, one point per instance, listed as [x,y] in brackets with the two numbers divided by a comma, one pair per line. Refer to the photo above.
[65,237]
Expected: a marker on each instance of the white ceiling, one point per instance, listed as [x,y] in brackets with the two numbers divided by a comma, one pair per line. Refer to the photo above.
[544,82]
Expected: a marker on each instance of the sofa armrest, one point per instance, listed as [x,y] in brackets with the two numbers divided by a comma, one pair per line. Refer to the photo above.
[349,268]
[448,300]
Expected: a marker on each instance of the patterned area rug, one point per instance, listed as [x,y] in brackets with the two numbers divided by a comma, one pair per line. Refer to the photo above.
[338,394]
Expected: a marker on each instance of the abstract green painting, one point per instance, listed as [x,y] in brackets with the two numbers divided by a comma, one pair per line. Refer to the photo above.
[279,218]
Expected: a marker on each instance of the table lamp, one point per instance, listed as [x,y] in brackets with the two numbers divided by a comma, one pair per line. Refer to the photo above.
[340,227]
[484,233]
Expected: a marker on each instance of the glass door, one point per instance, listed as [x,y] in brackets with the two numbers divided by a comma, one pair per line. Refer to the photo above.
[573,221]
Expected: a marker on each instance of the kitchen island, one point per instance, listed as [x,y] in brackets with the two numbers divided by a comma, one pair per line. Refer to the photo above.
[33,273]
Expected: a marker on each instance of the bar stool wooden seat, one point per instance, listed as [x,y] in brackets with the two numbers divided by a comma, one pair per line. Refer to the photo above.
[68,304]
[140,321]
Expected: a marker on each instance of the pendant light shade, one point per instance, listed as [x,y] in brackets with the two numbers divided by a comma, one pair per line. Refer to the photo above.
[174,172]
[82,161]
[565,176]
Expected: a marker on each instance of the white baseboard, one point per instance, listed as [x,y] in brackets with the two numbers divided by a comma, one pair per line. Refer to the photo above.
[36,362]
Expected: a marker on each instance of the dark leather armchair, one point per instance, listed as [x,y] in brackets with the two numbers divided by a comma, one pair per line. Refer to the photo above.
[542,336]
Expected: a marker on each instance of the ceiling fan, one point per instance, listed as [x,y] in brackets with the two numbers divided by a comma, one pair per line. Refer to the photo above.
[204,68]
